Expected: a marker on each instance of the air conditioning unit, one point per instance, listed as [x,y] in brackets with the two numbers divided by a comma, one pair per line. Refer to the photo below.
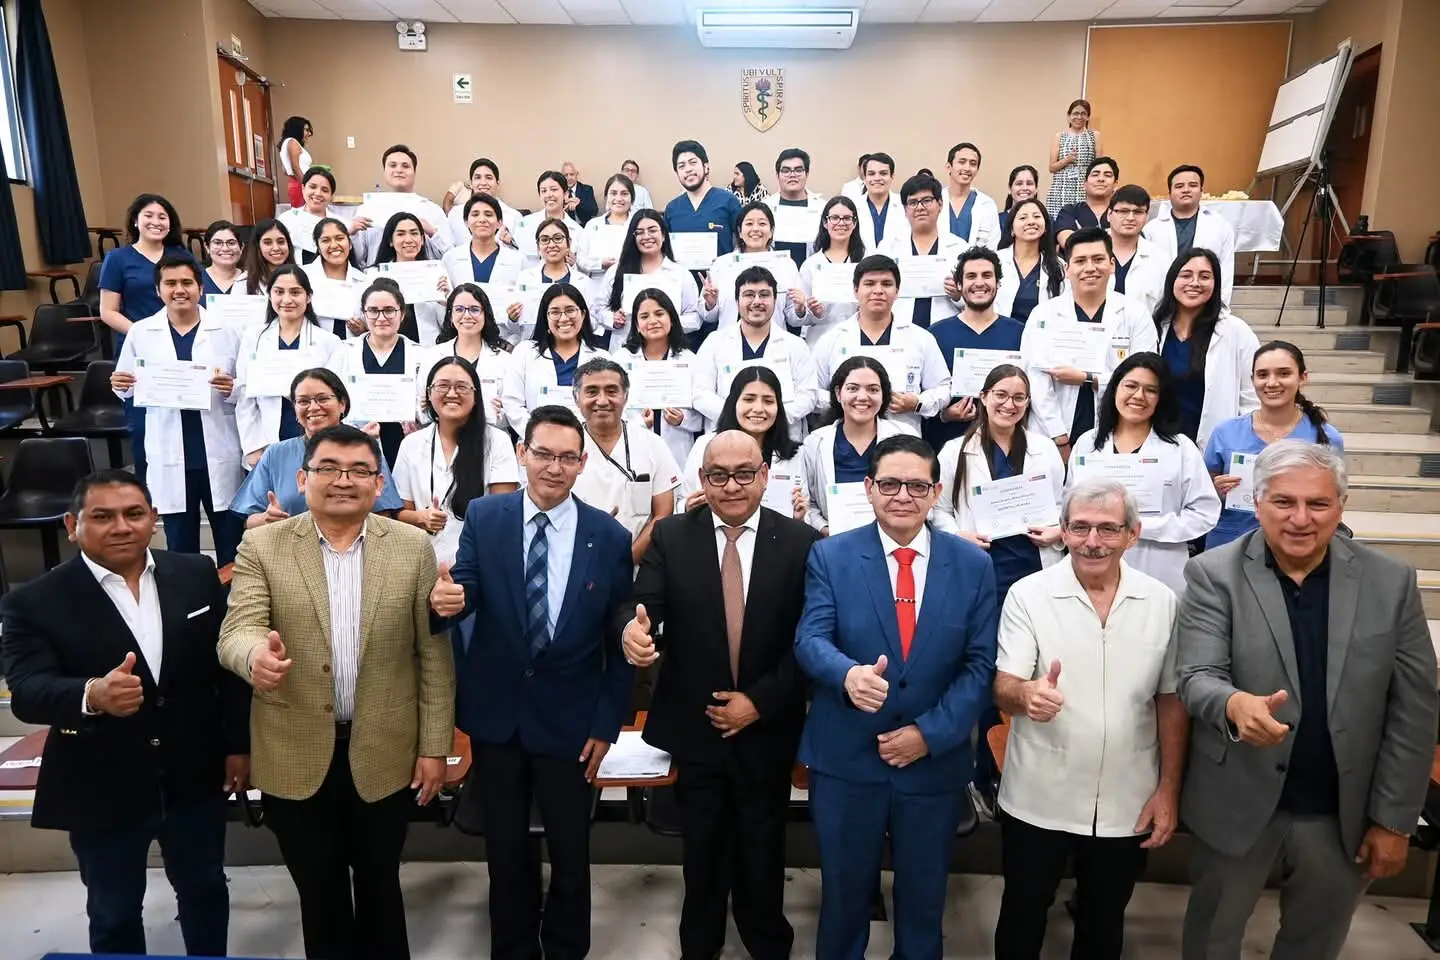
[777,29]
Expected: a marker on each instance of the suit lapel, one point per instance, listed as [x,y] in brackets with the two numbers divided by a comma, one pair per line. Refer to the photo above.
[1272,605]
[706,562]
[312,572]
[172,618]
[1344,598]
[512,550]
[876,572]
[377,554]
[93,602]
[581,562]
[938,583]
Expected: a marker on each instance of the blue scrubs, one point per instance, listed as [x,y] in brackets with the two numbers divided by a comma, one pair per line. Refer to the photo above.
[1190,388]
[1084,418]
[390,433]
[483,268]
[1237,435]
[960,222]
[756,353]
[921,316]
[716,214]
[1185,233]
[289,425]
[1079,216]
[881,341]
[1122,270]
[1027,298]
[952,334]
[565,369]
[210,288]
[850,464]
[275,473]
[878,218]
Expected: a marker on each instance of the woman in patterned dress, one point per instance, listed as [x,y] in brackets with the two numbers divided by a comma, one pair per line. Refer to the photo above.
[1070,157]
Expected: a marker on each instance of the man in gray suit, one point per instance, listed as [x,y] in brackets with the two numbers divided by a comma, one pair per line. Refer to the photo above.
[1314,713]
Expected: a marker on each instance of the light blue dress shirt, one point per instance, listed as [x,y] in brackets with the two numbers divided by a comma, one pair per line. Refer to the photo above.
[276,473]
[560,540]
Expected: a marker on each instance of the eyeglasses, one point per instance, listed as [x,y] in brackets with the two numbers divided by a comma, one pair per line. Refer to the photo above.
[443,387]
[920,203]
[375,313]
[1001,398]
[845,221]
[642,232]
[1107,531]
[319,400]
[746,295]
[791,171]
[889,487]
[1147,389]
[225,244]
[464,311]
[719,478]
[1127,212]
[546,458]
[562,313]
[328,472]
[551,240]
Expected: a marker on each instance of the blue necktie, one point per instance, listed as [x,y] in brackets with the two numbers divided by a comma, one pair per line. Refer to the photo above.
[537,587]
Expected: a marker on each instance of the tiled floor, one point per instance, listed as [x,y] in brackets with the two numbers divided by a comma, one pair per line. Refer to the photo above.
[635,911]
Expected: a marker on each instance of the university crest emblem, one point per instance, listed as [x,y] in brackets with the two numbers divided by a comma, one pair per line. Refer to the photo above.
[762,96]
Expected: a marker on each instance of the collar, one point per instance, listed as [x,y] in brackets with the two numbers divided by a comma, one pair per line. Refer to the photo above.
[921,543]
[752,522]
[320,535]
[1069,585]
[562,516]
[101,574]
[1322,569]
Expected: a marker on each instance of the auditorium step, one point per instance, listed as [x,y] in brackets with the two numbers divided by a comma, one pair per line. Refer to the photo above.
[1411,537]
[1430,593]
[1386,389]
[1393,455]
[1345,361]
[1383,340]
[1394,495]
[1298,296]
[1294,315]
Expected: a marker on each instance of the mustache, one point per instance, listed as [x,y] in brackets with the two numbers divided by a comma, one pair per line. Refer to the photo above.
[1095,553]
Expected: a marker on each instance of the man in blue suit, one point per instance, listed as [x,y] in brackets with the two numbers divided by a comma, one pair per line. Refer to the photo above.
[542,689]
[898,636]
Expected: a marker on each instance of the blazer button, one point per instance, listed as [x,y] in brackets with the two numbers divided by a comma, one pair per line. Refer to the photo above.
[324,668]
[903,684]
[160,703]
[329,708]
[1280,767]
[154,741]
[529,673]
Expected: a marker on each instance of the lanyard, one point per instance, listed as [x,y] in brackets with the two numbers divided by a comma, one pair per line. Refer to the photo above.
[445,500]
[625,471]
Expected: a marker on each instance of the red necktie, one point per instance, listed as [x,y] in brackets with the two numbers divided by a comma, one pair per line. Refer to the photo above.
[905,598]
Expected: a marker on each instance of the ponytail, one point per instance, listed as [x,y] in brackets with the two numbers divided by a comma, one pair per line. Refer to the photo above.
[1317,417]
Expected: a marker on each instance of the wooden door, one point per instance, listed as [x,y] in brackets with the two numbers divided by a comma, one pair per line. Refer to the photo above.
[1349,137]
[250,157]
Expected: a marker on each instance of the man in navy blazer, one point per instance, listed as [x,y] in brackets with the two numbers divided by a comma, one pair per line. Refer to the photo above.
[543,688]
[898,636]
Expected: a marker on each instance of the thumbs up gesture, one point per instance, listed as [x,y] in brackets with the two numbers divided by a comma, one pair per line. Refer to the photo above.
[273,512]
[447,598]
[118,693]
[866,686]
[639,646]
[433,520]
[1042,698]
[268,664]
[1254,718]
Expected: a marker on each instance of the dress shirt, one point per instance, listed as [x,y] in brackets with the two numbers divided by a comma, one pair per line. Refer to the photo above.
[560,550]
[344,574]
[142,616]
[744,545]
[921,563]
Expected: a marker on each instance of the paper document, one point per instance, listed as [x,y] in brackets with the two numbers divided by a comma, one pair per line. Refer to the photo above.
[270,374]
[847,507]
[780,491]
[796,224]
[1010,507]
[672,283]
[237,309]
[695,250]
[834,283]
[337,299]
[380,207]
[631,758]
[1074,344]
[923,276]
[903,377]
[778,364]
[657,384]
[971,366]
[176,384]
[605,243]
[1242,497]
[382,397]
[1139,474]
[419,279]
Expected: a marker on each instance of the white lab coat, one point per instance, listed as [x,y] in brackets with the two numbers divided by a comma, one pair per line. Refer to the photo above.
[215,346]
[315,270]
[926,372]
[300,224]
[1229,388]
[719,359]
[984,220]
[815,327]
[1041,456]
[1009,284]
[854,189]
[898,245]
[258,418]
[895,223]
[531,286]
[819,456]
[458,267]
[1212,232]
[679,439]
[596,248]
[602,318]
[729,266]
[1189,506]
[460,230]
[530,382]
[367,242]
[1146,280]
[606,487]
[490,365]
[1052,404]
[348,359]
[524,237]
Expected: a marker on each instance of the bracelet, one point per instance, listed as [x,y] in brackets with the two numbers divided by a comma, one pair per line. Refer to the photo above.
[87,707]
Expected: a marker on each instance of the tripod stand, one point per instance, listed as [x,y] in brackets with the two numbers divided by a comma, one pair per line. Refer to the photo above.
[1324,205]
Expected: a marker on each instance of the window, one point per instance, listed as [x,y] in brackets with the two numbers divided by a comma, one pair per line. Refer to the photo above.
[10,140]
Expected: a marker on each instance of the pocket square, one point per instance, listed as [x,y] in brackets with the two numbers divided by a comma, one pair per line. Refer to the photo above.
[195,613]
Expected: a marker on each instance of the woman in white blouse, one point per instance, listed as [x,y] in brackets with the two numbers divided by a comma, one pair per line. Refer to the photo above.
[1030,267]
[458,458]
[658,336]
[542,369]
[269,248]
[290,340]
[838,454]
[557,259]
[336,265]
[754,245]
[553,189]
[470,333]
[318,187]
[403,241]
[646,251]
[605,235]
[838,242]
[483,259]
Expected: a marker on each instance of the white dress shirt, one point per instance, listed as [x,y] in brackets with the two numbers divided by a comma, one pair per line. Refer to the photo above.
[611,483]
[344,575]
[744,545]
[1090,770]
[559,553]
[918,568]
[141,615]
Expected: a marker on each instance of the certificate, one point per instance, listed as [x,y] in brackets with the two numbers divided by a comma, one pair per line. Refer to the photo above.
[237,309]
[667,280]
[971,366]
[605,243]
[553,395]
[1139,474]
[380,207]
[834,283]
[419,279]
[1074,344]
[795,224]
[1010,507]
[923,276]
[175,384]
[903,377]
[760,258]
[500,296]
[1242,497]
[270,374]
[847,507]
[337,299]
[657,384]
[780,490]
[695,250]
[779,365]
[382,397]
[491,389]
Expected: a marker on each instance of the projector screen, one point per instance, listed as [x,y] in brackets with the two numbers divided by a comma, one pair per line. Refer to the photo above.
[1300,121]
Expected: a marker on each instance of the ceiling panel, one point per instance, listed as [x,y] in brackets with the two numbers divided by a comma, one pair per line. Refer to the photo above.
[1260,8]
[426,10]
[478,11]
[1177,12]
[349,9]
[892,11]
[1011,10]
[1137,9]
[536,11]
[953,11]
[1074,10]
[654,11]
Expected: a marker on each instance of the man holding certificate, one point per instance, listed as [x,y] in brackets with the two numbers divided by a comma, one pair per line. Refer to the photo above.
[896,694]
[726,581]
[700,209]
[1072,342]
[399,164]
[926,255]
[919,379]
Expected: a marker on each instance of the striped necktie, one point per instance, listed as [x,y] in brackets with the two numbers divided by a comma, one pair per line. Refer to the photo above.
[537,587]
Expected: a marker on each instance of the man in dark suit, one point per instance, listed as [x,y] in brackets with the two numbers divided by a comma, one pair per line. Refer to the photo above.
[115,650]
[727,583]
[543,689]
[580,200]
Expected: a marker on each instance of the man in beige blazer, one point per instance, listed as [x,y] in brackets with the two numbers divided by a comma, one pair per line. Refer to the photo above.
[353,711]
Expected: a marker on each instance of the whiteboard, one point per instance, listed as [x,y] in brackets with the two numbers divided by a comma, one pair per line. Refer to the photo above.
[1306,92]
[1292,143]
[1304,108]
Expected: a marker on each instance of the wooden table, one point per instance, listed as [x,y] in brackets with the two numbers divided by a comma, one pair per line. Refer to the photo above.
[38,382]
[105,233]
[641,782]
[28,748]
[55,276]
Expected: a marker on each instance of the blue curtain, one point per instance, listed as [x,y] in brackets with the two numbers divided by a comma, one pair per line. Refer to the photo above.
[12,261]
[59,212]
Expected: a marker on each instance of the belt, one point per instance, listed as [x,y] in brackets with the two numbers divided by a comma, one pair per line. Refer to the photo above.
[342,729]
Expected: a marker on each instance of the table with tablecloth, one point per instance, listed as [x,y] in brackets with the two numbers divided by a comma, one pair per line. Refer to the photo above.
[1258,224]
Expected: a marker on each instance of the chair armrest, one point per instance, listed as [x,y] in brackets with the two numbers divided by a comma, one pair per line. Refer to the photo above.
[1404,275]
[18,322]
